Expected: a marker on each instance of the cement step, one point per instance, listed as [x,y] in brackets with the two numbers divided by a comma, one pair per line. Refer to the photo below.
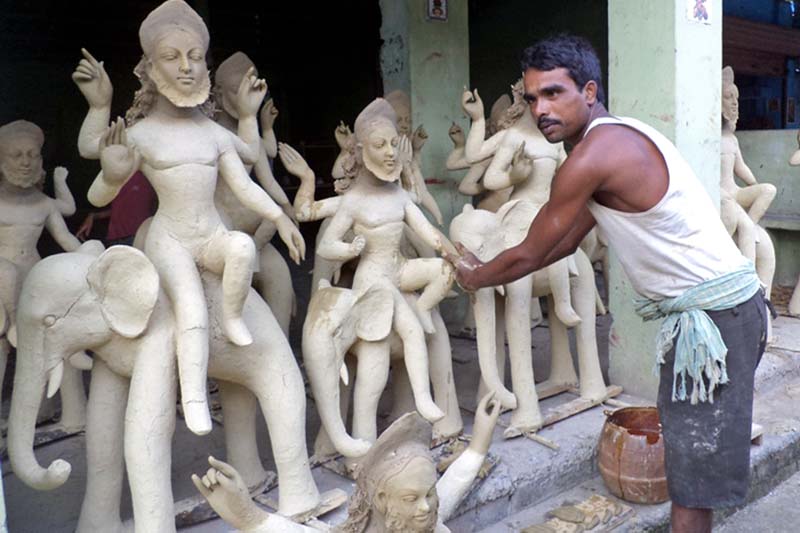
[776,512]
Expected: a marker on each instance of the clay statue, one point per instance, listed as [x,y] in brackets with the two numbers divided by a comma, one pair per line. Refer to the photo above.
[397,489]
[486,234]
[273,277]
[754,197]
[112,303]
[376,208]
[182,152]
[523,159]
[414,180]
[24,212]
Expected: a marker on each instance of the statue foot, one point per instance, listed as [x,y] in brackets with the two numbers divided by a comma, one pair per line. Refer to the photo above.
[567,315]
[197,417]
[236,331]
[429,411]
[426,320]
[522,423]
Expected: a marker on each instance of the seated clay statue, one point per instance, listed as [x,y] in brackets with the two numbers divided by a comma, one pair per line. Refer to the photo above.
[397,490]
[754,197]
[24,212]
[182,151]
[376,208]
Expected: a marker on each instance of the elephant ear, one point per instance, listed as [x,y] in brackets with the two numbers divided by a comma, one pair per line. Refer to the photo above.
[372,314]
[516,217]
[126,286]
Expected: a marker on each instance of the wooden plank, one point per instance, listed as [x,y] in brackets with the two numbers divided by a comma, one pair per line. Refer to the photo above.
[545,389]
[758,36]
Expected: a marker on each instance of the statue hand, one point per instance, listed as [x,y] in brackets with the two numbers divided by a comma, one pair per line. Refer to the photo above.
[472,104]
[294,162]
[288,209]
[117,159]
[342,134]
[484,424]
[291,236]
[418,138]
[404,151]
[225,490]
[250,94]
[521,165]
[60,175]
[457,135]
[268,115]
[357,246]
[91,78]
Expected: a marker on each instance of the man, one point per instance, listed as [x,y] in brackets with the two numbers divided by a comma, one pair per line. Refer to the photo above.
[631,182]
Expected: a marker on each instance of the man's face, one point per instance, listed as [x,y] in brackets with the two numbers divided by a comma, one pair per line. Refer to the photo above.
[21,162]
[179,70]
[730,103]
[412,504]
[380,152]
[560,108]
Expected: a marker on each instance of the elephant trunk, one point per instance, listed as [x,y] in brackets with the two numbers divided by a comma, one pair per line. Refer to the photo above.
[29,384]
[484,311]
[323,363]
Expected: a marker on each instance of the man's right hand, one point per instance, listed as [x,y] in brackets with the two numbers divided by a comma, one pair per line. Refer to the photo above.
[91,78]
[472,104]
[86,228]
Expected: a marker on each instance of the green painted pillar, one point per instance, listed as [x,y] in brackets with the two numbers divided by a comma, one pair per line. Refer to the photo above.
[429,60]
[665,70]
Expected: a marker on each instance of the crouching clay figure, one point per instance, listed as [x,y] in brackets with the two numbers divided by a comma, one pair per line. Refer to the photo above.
[182,151]
[24,212]
[112,304]
[397,490]
[486,234]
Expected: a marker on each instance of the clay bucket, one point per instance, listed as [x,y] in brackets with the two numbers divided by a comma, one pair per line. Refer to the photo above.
[631,455]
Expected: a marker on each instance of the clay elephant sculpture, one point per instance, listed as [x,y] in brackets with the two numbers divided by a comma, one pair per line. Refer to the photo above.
[486,234]
[112,304]
[340,322]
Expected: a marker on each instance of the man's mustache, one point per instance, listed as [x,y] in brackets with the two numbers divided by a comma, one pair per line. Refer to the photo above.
[544,122]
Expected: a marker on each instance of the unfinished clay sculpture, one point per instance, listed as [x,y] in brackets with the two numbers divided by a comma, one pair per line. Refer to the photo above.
[754,197]
[24,212]
[182,152]
[397,486]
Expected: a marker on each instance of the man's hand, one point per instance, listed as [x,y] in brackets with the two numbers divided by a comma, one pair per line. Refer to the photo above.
[250,94]
[465,264]
[521,165]
[342,134]
[118,160]
[294,162]
[291,236]
[86,228]
[457,136]
[225,490]
[472,104]
[483,426]
[91,78]
[268,115]
[418,138]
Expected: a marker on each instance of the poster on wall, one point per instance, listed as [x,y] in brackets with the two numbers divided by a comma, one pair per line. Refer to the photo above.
[699,11]
[437,9]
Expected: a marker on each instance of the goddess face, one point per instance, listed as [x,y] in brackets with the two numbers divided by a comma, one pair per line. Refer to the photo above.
[178,68]
[730,103]
[410,498]
[380,152]
[21,162]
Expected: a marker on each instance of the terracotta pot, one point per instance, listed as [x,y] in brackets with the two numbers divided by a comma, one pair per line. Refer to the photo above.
[631,455]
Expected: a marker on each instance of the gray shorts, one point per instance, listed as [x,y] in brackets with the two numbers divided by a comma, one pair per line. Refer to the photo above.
[707,445]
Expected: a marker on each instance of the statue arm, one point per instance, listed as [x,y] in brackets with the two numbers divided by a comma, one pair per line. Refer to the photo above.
[251,195]
[318,210]
[305,208]
[64,199]
[427,232]
[267,180]
[498,175]
[424,196]
[332,245]
[741,169]
[471,184]
[270,142]
[93,127]
[58,229]
[456,482]
[456,160]
[478,148]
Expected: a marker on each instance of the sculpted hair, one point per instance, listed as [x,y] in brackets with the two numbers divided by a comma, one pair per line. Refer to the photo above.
[570,52]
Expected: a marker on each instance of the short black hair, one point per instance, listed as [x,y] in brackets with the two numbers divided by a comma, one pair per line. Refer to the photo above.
[571,52]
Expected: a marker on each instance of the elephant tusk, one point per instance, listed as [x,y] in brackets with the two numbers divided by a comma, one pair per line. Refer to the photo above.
[54,376]
[344,375]
[500,290]
[81,361]
[11,335]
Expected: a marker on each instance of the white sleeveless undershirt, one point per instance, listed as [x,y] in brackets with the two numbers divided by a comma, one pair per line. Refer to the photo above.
[678,243]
